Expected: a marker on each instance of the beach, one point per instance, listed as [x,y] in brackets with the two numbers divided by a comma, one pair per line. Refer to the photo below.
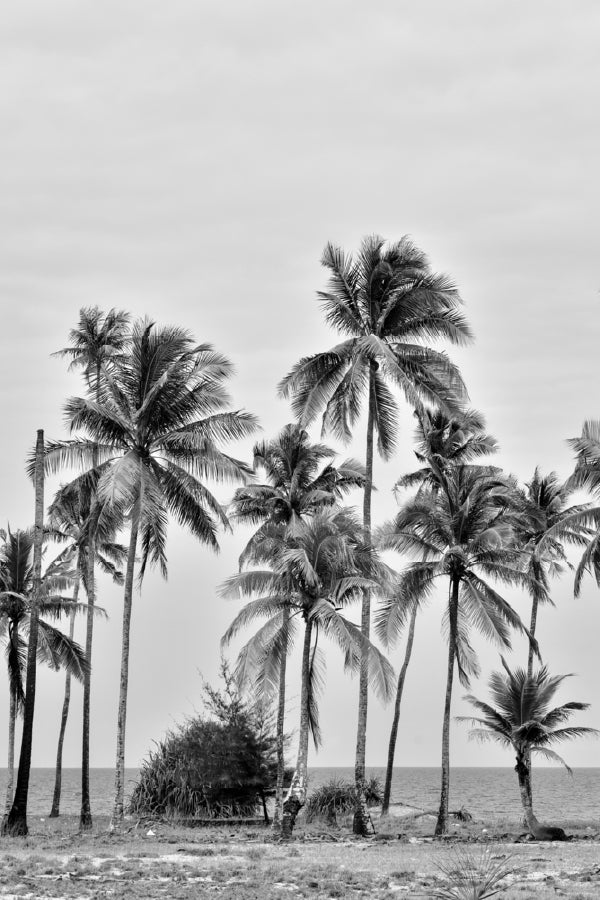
[155,860]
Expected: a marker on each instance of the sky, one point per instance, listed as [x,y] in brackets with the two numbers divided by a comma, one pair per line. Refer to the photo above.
[189,161]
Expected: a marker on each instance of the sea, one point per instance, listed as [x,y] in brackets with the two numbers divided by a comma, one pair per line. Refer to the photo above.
[491,794]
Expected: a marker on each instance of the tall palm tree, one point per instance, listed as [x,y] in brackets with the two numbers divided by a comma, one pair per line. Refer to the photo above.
[462,535]
[74,518]
[96,344]
[441,442]
[54,648]
[300,479]
[320,571]
[385,302]
[520,718]
[15,823]
[157,432]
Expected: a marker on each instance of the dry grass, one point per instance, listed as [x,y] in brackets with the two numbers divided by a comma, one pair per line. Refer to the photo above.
[151,860]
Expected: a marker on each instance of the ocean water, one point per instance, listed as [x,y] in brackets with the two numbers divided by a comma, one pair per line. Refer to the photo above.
[489,794]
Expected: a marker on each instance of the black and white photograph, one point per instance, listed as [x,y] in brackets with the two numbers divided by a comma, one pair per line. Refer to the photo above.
[300,482]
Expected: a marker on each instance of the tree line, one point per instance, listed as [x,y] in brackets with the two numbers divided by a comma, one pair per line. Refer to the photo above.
[149,436]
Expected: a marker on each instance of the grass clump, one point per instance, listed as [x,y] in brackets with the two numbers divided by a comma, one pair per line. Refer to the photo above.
[338,797]
[472,877]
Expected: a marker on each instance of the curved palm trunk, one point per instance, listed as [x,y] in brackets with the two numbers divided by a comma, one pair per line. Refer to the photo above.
[361,820]
[280,733]
[15,823]
[117,816]
[55,810]
[85,816]
[296,797]
[442,820]
[10,776]
[385,805]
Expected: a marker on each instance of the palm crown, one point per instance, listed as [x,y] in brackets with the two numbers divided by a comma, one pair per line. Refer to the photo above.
[156,432]
[521,716]
[464,533]
[386,301]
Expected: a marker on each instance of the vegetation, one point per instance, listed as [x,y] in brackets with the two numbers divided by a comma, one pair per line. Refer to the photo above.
[337,797]
[385,302]
[148,441]
[211,768]
[523,719]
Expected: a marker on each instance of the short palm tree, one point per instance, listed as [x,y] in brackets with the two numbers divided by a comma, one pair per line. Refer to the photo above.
[317,573]
[300,480]
[54,648]
[385,302]
[441,442]
[96,344]
[521,718]
[461,535]
[156,434]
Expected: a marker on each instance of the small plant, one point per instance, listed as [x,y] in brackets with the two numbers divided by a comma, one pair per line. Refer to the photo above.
[337,796]
[470,877]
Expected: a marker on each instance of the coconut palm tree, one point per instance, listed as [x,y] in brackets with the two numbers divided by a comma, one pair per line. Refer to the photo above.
[96,344]
[587,477]
[520,717]
[300,479]
[385,302]
[156,434]
[544,523]
[54,648]
[76,519]
[319,571]
[440,442]
[462,535]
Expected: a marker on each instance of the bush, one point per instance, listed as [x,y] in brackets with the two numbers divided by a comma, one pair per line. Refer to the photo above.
[338,796]
[210,768]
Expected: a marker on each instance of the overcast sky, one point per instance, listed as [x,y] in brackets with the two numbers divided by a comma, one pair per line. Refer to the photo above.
[189,160]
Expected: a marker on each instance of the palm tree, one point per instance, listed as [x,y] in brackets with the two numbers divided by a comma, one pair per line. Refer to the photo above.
[544,523]
[96,344]
[74,518]
[156,432]
[520,717]
[463,534]
[587,477]
[318,572]
[441,442]
[385,302]
[54,648]
[301,479]
[15,823]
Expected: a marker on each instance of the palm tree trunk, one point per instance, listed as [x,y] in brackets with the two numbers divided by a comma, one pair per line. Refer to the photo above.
[55,810]
[361,816]
[523,775]
[442,821]
[385,805]
[532,627]
[296,797]
[10,777]
[85,816]
[280,733]
[117,816]
[16,821]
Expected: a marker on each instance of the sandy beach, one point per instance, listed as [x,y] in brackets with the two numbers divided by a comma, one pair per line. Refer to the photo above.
[154,860]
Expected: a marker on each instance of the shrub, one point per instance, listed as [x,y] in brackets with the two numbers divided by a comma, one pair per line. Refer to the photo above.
[210,768]
[338,796]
